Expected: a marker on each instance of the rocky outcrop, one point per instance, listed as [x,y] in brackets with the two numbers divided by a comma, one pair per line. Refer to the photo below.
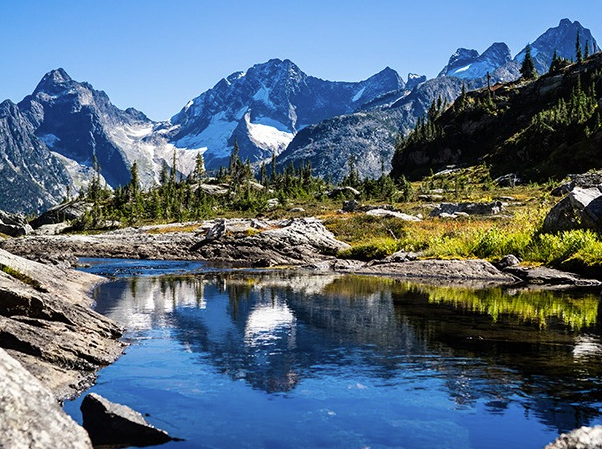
[391,213]
[583,438]
[46,323]
[111,424]
[30,416]
[580,209]
[290,242]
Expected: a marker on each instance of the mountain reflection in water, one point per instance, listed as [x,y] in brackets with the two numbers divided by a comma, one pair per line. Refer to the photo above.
[541,349]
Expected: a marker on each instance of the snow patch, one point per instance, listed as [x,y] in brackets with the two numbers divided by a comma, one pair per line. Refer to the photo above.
[268,137]
[359,94]
[49,139]
[213,139]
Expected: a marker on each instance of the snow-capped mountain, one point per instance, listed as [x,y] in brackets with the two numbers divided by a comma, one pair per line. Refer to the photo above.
[264,107]
[78,123]
[31,178]
[469,64]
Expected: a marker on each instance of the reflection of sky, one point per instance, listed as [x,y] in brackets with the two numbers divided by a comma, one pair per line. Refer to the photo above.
[278,338]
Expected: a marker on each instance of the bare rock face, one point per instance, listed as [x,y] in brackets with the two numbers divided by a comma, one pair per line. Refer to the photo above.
[114,424]
[30,417]
[580,209]
[47,325]
[583,438]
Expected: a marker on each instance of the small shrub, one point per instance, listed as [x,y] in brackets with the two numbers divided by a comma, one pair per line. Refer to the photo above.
[371,250]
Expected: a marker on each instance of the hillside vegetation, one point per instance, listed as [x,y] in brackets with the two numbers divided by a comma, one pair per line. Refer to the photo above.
[540,129]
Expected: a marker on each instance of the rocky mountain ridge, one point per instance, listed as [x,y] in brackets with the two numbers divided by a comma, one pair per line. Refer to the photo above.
[273,108]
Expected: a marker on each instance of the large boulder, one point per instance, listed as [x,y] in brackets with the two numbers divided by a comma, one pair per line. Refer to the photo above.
[30,416]
[114,424]
[583,438]
[580,209]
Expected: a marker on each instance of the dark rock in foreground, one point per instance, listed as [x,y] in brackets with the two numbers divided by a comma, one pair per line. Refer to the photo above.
[117,425]
[30,416]
[583,438]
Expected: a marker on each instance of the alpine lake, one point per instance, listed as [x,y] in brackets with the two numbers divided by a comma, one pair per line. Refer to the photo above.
[291,360]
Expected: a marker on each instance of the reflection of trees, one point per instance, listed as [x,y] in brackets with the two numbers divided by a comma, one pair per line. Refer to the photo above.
[273,329]
[540,365]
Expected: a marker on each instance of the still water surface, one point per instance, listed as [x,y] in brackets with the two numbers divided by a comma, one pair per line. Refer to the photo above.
[289,360]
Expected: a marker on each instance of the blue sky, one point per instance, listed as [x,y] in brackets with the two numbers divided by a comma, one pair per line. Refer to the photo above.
[156,55]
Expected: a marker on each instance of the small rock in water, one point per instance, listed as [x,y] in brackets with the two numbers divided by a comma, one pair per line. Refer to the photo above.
[114,424]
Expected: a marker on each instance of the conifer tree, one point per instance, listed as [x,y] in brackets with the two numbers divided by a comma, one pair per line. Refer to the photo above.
[527,69]
[578,53]
[586,54]
[199,168]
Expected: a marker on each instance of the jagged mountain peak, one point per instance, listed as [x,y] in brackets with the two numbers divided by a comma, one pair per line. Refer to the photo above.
[54,82]
[469,64]
[560,39]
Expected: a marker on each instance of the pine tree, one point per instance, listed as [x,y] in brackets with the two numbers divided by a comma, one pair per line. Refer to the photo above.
[199,168]
[586,55]
[578,53]
[527,69]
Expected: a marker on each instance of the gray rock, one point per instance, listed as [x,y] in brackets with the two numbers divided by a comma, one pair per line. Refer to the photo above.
[65,212]
[508,261]
[297,209]
[14,225]
[431,197]
[46,324]
[509,180]
[580,209]
[390,213]
[401,256]
[350,206]
[447,270]
[114,424]
[30,416]
[273,202]
[453,209]
[583,438]
[298,241]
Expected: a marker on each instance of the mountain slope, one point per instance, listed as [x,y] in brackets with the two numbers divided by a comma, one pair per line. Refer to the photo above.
[265,107]
[546,128]
[79,123]
[31,178]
